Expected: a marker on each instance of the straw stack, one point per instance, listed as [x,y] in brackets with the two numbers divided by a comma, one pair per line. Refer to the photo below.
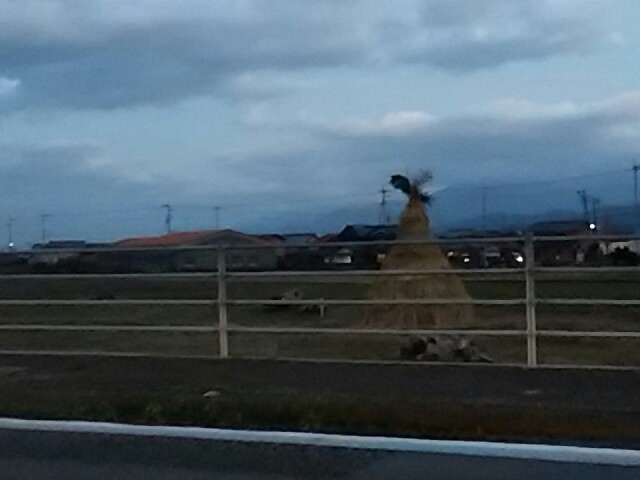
[414,225]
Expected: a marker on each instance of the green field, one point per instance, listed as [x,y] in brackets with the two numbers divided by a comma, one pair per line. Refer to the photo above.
[372,347]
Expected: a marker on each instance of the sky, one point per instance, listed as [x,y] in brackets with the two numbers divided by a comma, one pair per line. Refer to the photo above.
[292,114]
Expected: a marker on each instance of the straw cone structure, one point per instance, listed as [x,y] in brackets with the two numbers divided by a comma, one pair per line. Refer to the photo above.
[414,224]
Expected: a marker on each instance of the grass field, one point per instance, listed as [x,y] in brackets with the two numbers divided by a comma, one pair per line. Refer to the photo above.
[481,402]
[551,350]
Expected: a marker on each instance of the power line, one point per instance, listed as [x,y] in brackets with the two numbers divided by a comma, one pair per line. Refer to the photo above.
[105,212]
[365,197]
[283,203]
[540,182]
[467,189]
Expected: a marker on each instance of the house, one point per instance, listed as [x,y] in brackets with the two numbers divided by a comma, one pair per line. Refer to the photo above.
[628,245]
[482,254]
[164,253]
[13,262]
[367,233]
[325,238]
[64,256]
[298,239]
[564,252]
[623,251]
[297,251]
[343,257]
[359,256]
[289,242]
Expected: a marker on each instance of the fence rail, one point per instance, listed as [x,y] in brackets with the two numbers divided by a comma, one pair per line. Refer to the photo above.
[132,302]
[380,301]
[106,328]
[222,301]
[375,273]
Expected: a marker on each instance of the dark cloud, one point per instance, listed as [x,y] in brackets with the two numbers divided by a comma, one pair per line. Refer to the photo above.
[525,152]
[88,196]
[512,141]
[493,147]
[111,54]
[117,59]
[62,177]
[515,141]
[342,171]
[70,181]
[471,35]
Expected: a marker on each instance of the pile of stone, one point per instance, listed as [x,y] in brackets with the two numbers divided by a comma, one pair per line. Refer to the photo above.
[443,348]
[295,294]
[288,295]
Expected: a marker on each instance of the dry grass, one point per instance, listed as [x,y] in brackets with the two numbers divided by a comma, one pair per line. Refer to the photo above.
[450,402]
[414,224]
[612,351]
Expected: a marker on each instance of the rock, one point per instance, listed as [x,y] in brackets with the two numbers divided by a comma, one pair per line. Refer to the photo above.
[417,346]
[443,348]
[316,308]
[292,294]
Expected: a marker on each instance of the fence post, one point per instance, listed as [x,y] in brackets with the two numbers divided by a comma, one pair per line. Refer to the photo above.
[223,336]
[530,286]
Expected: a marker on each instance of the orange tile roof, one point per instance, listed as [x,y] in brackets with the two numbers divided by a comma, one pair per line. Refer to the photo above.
[169,240]
[176,239]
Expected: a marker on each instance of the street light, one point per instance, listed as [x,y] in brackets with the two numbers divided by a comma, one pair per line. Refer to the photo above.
[592,226]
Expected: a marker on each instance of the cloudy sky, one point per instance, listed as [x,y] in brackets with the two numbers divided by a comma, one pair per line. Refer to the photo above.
[284,112]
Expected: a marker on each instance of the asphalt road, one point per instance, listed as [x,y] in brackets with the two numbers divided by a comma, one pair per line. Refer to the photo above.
[78,456]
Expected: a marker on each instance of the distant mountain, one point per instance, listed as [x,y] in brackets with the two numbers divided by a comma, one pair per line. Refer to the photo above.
[513,221]
[443,216]
[620,219]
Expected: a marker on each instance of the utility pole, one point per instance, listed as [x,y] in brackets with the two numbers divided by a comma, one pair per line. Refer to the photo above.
[383,217]
[168,217]
[217,210]
[585,204]
[635,169]
[594,206]
[43,225]
[484,208]
[10,243]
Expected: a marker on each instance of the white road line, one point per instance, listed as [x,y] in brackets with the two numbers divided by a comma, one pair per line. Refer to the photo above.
[569,454]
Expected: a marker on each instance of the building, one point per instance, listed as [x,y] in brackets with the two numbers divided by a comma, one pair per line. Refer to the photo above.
[296,251]
[165,253]
[470,254]
[14,262]
[64,256]
[564,252]
[627,245]
[298,239]
[363,257]
[367,233]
